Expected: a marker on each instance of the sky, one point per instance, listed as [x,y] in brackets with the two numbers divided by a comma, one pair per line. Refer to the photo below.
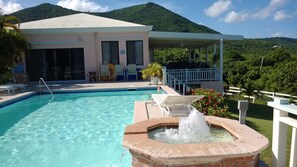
[250,18]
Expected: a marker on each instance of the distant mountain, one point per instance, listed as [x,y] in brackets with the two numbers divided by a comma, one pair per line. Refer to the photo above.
[42,11]
[161,18]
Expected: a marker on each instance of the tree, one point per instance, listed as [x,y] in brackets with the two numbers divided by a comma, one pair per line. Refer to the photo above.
[285,78]
[12,43]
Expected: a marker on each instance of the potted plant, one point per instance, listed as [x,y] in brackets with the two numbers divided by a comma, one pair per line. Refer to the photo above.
[154,72]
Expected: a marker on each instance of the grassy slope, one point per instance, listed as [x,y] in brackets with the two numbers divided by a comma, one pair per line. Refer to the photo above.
[260,118]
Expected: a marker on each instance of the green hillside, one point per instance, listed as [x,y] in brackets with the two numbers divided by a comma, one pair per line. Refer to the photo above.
[42,11]
[161,18]
[148,14]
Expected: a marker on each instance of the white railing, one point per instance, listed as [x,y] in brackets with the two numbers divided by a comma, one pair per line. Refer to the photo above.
[194,75]
[41,80]
[177,85]
[237,90]
[281,121]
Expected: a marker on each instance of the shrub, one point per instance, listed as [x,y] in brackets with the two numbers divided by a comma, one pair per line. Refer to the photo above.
[212,103]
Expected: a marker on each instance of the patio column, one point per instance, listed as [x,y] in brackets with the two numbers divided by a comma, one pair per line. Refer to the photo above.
[221,59]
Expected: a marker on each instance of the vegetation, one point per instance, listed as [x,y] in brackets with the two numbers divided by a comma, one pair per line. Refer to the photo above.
[152,70]
[12,43]
[42,11]
[212,103]
[274,70]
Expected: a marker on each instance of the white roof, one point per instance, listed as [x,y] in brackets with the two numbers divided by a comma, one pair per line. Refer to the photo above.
[187,40]
[80,23]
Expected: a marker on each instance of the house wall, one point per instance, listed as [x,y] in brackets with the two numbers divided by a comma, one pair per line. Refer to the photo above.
[91,42]
[122,38]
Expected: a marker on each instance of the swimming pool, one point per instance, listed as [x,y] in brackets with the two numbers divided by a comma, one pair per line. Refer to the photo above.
[76,129]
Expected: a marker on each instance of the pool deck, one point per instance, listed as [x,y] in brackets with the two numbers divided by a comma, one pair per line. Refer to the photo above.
[143,110]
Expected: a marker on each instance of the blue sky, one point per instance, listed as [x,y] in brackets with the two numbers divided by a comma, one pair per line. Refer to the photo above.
[250,18]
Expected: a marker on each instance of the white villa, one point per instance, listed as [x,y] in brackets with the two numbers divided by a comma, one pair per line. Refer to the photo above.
[69,47]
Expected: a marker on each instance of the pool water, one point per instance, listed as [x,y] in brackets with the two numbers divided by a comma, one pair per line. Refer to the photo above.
[75,129]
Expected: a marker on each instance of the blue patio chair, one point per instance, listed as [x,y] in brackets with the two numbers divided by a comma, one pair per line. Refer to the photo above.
[119,71]
[132,71]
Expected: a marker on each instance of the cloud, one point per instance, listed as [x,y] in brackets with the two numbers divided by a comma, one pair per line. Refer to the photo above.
[82,5]
[235,17]
[280,34]
[9,7]
[266,11]
[218,8]
[262,13]
[281,15]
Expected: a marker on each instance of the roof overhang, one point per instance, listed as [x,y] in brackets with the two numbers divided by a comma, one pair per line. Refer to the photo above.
[187,40]
[86,30]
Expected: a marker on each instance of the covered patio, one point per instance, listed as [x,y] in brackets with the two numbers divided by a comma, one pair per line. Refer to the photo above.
[200,46]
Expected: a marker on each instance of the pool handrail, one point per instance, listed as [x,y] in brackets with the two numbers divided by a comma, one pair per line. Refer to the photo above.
[41,79]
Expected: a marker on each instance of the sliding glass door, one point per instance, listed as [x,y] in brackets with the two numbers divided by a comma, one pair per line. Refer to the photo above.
[56,64]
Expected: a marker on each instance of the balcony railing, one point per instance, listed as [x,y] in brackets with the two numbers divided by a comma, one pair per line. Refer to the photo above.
[195,75]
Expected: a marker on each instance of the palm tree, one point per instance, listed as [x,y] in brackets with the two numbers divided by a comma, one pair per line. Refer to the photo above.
[9,22]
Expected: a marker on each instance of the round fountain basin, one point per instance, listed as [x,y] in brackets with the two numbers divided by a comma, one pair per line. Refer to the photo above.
[244,150]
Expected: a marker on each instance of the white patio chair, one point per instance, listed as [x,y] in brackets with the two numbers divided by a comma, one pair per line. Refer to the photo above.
[21,86]
[6,87]
[104,71]
[119,71]
[175,105]
[132,71]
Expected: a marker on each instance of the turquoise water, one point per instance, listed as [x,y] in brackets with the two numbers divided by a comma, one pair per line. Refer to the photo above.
[81,129]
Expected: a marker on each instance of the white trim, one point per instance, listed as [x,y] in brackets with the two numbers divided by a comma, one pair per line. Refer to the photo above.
[192,36]
[86,30]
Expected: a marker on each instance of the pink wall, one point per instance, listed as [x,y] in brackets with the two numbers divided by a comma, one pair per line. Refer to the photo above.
[91,42]
[122,38]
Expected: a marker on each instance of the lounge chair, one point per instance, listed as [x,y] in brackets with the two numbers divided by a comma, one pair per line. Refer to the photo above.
[132,71]
[175,105]
[104,71]
[7,87]
[119,71]
[16,86]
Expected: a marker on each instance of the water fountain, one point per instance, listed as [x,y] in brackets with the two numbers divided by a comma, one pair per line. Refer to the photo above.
[191,129]
[178,142]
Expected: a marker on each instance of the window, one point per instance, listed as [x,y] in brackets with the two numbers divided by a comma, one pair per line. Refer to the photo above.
[56,64]
[134,52]
[110,52]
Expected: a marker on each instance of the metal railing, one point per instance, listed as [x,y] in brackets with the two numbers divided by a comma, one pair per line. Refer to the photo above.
[194,75]
[177,85]
[41,80]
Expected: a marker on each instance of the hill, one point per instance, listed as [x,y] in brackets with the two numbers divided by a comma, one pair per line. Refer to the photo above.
[261,46]
[42,11]
[161,18]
